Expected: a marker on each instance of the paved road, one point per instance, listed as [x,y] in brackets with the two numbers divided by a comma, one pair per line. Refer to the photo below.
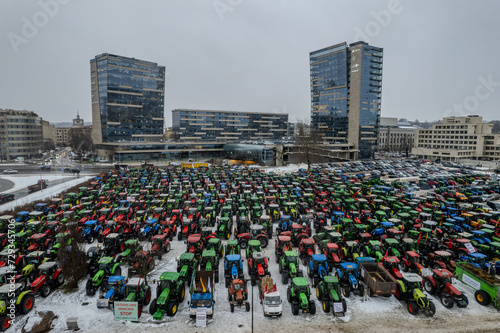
[5,185]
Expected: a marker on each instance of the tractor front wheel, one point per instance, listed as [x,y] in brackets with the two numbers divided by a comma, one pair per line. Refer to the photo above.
[432,309]
[153,307]
[232,306]
[171,309]
[147,297]
[60,279]
[326,306]
[482,297]
[399,292]
[346,291]
[312,307]
[295,309]
[27,303]
[183,292]
[289,295]
[45,291]
[139,310]
[412,307]
[319,293]
[4,323]
[404,267]
[447,301]
[284,278]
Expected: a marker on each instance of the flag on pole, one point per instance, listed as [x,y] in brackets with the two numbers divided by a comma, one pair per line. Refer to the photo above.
[274,288]
[419,237]
[209,286]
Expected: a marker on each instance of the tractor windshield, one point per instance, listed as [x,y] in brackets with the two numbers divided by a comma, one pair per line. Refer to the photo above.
[238,287]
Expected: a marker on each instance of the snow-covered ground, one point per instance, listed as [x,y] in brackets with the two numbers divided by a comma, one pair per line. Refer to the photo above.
[23,181]
[47,193]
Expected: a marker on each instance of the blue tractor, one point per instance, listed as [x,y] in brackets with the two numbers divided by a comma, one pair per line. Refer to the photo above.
[348,277]
[151,228]
[233,268]
[317,268]
[284,224]
[114,291]
[91,231]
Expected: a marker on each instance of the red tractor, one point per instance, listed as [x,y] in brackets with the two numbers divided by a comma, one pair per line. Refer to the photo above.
[439,284]
[439,259]
[411,262]
[257,267]
[298,233]
[307,248]
[188,227]
[160,245]
[194,245]
[238,294]
[333,255]
[169,228]
[391,264]
[39,242]
[283,243]
[142,262]
[49,277]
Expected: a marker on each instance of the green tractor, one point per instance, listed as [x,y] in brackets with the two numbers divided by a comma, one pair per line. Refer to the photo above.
[328,292]
[186,265]
[298,294]
[107,267]
[210,262]
[216,245]
[232,247]
[409,290]
[132,246]
[170,291]
[289,266]
[373,249]
[224,226]
[136,290]
[23,302]
[391,246]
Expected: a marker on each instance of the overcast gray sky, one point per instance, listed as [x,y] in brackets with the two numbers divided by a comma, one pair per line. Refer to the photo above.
[252,55]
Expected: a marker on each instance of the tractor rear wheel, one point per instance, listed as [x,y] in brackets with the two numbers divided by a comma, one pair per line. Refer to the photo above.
[45,291]
[168,248]
[404,267]
[412,307]
[229,296]
[253,280]
[482,297]
[243,245]
[312,307]
[231,306]
[289,295]
[361,290]
[24,282]
[280,265]
[295,308]
[89,288]
[247,306]
[326,306]
[428,286]
[447,301]
[399,292]
[60,279]
[147,297]
[139,310]
[263,242]
[27,303]
[153,306]
[183,292]
[118,271]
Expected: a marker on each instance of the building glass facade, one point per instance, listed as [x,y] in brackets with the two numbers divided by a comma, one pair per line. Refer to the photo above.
[228,125]
[346,90]
[127,99]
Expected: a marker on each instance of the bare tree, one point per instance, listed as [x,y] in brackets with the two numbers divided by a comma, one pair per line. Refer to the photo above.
[307,140]
[80,139]
[72,258]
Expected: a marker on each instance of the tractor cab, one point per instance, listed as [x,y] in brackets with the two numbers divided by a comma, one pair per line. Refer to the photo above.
[39,242]
[391,264]
[253,246]
[194,244]
[443,276]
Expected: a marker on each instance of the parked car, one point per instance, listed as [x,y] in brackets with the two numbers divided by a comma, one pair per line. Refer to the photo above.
[9,171]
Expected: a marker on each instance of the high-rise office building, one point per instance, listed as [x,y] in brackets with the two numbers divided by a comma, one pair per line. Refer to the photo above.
[127,100]
[346,90]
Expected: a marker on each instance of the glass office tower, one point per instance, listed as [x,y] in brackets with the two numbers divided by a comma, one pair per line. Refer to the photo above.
[346,90]
[127,99]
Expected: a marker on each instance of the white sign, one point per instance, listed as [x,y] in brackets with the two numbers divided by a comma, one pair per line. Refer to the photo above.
[102,302]
[337,307]
[470,248]
[127,311]
[201,317]
[471,282]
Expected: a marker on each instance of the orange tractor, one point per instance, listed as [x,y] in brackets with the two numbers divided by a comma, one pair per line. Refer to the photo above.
[238,294]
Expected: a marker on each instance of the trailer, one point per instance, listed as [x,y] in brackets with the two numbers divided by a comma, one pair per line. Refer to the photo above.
[486,286]
[202,292]
[377,279]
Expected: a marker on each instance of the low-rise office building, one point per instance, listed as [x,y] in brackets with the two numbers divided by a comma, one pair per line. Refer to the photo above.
[458,138]
[20,134]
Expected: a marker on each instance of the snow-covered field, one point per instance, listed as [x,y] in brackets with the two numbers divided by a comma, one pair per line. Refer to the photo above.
[23,181]
[378,314]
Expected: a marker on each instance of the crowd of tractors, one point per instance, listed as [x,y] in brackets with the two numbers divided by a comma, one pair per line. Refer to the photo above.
[338,235]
